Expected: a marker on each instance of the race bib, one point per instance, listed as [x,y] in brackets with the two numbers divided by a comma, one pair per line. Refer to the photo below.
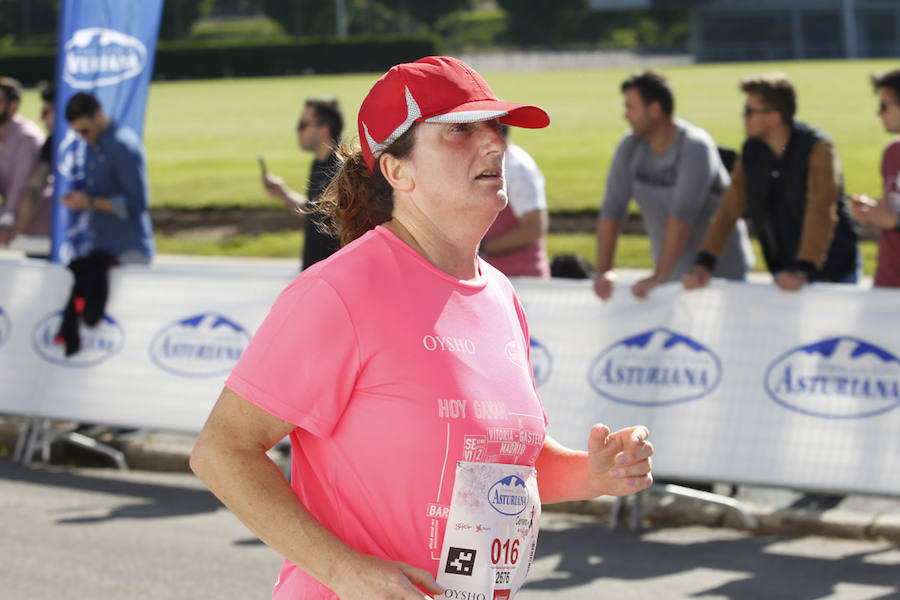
[492,531]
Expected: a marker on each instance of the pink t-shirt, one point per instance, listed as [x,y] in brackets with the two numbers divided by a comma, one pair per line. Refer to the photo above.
[888,271]
[392,371]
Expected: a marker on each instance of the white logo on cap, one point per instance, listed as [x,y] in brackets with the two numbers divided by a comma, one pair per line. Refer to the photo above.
[412,113]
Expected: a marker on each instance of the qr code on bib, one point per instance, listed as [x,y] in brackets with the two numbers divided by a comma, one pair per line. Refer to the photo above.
[460,561]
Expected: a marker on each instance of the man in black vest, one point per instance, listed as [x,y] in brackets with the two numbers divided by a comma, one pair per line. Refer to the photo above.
[319,132]
[789,182]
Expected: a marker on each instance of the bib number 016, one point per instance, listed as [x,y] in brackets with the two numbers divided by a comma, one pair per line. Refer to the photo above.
[505,552]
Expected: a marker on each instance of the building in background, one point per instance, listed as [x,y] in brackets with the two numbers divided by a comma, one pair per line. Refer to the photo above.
[744,30]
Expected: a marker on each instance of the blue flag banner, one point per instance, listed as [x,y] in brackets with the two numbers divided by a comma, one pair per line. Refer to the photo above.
[106,48]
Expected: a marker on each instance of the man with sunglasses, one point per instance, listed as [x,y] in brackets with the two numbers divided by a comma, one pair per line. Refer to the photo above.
[673,170]
[883,214]
[319,132]
[20,146]
[114,191]
[789,180]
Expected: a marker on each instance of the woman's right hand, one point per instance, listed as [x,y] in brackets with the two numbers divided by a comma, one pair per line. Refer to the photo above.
[372,578]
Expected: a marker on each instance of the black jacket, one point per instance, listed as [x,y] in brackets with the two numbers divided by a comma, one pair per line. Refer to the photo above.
[780,235]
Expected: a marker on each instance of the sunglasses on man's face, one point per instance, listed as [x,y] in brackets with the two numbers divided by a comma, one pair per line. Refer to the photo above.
[304,124]
[749,111]
[883,106]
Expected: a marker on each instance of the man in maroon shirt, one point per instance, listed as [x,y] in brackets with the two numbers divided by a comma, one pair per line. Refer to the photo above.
[20,146]
[885,214]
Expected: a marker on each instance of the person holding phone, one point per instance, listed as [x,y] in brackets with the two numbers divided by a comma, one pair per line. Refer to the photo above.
[318,131]
[885,214]
[398,419]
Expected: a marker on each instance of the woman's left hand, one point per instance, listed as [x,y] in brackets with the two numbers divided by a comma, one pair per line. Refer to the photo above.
[620,461]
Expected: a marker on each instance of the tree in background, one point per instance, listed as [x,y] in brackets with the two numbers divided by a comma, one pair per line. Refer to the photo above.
[28,22]
[318,17]
[179,15]
[572,23]
[528,23]
[533,22]
[429,13]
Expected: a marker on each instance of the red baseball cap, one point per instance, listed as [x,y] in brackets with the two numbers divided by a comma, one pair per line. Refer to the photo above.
[435,89]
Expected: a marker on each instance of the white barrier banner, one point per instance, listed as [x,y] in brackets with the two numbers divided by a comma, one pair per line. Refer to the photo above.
[158,360]
[737,382]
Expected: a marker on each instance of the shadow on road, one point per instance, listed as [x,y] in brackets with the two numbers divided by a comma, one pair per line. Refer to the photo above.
[613,557]
[156,500]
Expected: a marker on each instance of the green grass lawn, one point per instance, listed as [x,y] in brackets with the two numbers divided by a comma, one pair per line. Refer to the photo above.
[203,137]
[633,251]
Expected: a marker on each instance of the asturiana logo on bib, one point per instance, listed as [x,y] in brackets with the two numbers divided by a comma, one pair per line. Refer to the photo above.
[96,57]
[837,378]
[98,343]
[5,326]
[655,368]
[509,496]
[201,345]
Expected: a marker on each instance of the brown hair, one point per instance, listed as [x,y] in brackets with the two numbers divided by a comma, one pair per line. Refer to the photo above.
[356,201]
[11,88]
[652,87]
[776,92]
[890,80]
[328,113]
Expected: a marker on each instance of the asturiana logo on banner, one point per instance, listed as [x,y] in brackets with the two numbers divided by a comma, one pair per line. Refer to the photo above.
[509,496]
[98,343]
[541,362]
[201,345]
[5,326]
[836,378]
[655,368]
[96,57]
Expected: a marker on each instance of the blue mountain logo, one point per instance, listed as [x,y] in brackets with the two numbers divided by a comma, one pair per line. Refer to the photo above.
[655,368]
[541,362]
[836,378]
[5,326]
[98,343]
[509,496]
[202,345]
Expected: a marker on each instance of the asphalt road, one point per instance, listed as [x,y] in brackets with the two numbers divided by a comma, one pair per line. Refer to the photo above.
[99,534]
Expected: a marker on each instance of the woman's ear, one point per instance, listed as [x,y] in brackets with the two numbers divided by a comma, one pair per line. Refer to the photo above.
[396,172]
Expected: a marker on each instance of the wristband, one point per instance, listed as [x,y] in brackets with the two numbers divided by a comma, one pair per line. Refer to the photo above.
[90,203]
[706,259]
[807,268]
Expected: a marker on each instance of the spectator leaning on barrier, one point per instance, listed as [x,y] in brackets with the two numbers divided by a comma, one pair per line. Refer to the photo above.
[36,210]
[789,181]
[20,146]
[115,183]
[515,242]
[673,170]
[318,131]
[885,214]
